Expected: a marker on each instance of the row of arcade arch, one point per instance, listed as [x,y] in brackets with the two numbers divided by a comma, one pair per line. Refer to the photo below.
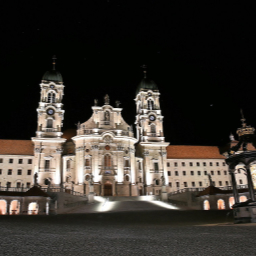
[221,203]
[14,208]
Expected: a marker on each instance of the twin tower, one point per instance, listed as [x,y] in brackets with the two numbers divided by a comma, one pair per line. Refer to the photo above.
[104,153]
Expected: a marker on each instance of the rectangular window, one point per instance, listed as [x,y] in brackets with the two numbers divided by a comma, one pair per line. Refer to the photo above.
[0,171]
[47,164]
[183,164]
[218,172]
[185,184]
[240,182]
[156,166]
[20,161]
[200,184]
[176,173]
[199,173]
[225,172]
[170,184]
[238,171]
[28,184]
[190,164]
[210,163]
[29,161]
[29,172]
[217,163]
[175,164]
[204,163]
[87,163]
[177,184]
[18,185]
[197,164]
[191,172]
[8,184]
[169,173]
[10,161]
[10,172]
[220,183]
[212,172]
[1,160]
[226,183]
[184,173]
[168,164]
[223,164]
[19,172]
[205,172]
[193,184]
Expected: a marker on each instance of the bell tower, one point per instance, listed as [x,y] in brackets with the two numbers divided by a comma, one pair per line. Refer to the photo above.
[48,142]
[149,128]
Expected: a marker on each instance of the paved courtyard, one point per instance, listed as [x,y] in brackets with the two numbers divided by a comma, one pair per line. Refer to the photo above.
[166,232]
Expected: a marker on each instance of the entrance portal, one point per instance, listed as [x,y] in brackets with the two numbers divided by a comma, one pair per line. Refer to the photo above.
[107,189]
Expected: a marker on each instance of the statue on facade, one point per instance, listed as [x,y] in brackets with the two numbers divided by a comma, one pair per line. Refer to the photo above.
[95,102]
[106,99]
[163,180]
[36,179]
[118,103]
[91,180]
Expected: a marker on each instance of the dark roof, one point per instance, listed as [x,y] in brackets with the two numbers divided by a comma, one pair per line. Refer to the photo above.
[211,190]
[193,152]
[146,84]
[53,75]
[34,191]
[16,147]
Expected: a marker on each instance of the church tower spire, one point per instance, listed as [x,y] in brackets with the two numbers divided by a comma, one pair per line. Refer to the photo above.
[149,126]
[48,142]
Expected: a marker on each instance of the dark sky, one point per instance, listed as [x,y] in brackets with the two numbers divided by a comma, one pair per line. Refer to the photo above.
[201,56]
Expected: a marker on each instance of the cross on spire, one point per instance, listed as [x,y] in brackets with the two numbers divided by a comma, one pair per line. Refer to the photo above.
[144,67]
[53,62]
[242,119]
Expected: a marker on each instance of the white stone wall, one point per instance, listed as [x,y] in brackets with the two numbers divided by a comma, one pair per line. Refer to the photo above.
[14,178]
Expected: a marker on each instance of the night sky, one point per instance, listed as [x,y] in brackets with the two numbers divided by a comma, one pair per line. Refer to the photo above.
[202,58]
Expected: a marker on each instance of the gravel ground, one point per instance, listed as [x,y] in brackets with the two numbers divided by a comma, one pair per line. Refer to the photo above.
[127,233]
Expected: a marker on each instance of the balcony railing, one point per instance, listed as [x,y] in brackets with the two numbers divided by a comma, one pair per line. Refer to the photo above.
[49,130]
[156,171]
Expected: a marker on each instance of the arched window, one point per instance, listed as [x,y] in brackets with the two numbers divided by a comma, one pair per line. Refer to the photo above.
[150,104]
[68,164]
[49,123]
[207,205]
[87,162]
[3,206]
[14,207]
[157,182]
[107,161]
[153,128]
[33,208]
[242,199]
[51,97]
[126,163]
[221,204]
[127,178]
[106,116]
[231,202]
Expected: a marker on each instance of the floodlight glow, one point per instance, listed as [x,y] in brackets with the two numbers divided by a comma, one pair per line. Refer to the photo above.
[164,205]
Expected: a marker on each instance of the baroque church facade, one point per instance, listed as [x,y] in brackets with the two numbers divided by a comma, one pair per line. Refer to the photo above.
[105,151]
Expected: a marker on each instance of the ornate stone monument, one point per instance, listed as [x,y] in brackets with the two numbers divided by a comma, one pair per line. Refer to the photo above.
[237,156]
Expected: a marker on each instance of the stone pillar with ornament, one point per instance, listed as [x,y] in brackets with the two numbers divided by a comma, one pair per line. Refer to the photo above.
[240,155]
[91,190]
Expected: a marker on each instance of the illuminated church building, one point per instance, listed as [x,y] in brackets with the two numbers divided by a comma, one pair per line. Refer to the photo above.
[105,152]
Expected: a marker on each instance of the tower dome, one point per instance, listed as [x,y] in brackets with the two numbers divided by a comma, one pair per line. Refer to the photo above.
[53,75]
[146,84]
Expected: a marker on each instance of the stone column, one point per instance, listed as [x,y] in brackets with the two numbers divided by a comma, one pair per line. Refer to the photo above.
[250,184]
[233,179]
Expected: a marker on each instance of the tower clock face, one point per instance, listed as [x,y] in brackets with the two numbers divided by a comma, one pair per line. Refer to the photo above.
[50,111]
[149,94]
[52,86]
[152,118]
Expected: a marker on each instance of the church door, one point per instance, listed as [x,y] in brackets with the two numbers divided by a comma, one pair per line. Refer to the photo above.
[108,189]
